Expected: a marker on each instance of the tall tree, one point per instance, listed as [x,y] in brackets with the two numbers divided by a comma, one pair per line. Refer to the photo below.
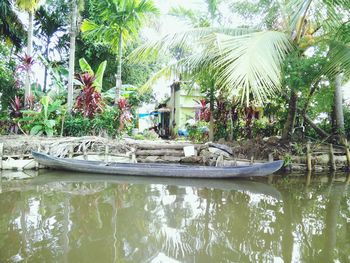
[49,21]
[116,22]
[73,35]
[29,6]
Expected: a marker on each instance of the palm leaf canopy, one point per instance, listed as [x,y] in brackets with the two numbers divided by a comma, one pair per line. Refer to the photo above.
[115,16]
[28,5]
[245,62]
[11,28]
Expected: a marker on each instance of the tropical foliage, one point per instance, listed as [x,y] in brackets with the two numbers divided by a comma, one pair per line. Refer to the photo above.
[278,72]
[116,23]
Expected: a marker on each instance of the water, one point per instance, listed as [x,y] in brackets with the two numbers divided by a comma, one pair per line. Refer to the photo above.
[61,217]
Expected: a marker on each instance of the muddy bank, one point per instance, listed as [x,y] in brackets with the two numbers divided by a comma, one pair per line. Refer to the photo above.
[16,152]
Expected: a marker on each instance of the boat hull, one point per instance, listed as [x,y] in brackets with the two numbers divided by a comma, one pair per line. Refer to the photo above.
[158,170]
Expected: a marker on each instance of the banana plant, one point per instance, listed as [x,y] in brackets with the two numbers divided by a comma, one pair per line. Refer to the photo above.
[98,75]
[41,121]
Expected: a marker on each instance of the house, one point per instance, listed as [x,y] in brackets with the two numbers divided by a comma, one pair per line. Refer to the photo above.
[180,107]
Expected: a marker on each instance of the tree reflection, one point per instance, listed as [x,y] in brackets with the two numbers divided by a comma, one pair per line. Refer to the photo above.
[114,222]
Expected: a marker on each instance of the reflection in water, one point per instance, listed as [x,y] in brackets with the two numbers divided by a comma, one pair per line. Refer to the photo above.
[66,218]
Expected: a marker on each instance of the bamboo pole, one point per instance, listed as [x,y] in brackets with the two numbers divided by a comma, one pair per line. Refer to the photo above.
[331,158]
[308,157]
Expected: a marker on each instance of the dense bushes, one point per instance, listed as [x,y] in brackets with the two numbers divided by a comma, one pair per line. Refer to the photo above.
[106,123]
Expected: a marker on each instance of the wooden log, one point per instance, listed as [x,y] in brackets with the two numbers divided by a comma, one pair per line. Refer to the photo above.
[332,165]
[1,154]
[164,152]
[219,161]
[347,153]
[159,146]
[308,157]
[221,147]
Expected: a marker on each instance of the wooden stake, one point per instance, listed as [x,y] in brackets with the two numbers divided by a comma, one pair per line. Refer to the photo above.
[270,157]
[84,152]
[36,163]
[70,151]
[252,159]
[308,157]
[331,158]
[1,154]
[106,153]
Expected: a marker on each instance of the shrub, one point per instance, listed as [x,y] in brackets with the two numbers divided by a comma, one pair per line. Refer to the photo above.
[107,122]
[150,135]
[199,132]
[77,125]
[104,123]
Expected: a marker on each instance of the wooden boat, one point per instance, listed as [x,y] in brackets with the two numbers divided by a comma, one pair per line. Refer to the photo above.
[157,170]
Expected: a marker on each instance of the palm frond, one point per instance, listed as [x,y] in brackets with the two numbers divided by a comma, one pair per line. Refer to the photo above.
[184,39]
[166,72]
[338,60]
[251,62]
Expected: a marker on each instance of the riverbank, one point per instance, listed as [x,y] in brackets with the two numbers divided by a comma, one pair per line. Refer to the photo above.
[15,152]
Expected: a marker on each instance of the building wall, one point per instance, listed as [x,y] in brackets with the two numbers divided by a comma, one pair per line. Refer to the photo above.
[186,106]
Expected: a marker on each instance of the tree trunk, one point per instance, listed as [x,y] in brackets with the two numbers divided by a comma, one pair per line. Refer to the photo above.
[292,112]
[338,108]
[73,33]
[47,59]
[211,121]
[27,91]
[118,81]
[319,131]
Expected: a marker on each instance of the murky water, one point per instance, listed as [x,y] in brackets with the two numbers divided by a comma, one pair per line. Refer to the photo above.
[61,217]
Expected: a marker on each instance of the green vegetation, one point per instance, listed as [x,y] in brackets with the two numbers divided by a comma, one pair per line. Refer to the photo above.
[279,73]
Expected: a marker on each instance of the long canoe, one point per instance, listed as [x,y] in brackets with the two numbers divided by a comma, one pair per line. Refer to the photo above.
[158,170]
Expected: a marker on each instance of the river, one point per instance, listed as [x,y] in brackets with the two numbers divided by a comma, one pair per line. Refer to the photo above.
[65,217]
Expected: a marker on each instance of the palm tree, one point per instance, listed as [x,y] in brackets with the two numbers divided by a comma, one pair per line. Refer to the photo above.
[29,6]
[249,62]
[11,27]
[73,34]
[117,21]
[48,22]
